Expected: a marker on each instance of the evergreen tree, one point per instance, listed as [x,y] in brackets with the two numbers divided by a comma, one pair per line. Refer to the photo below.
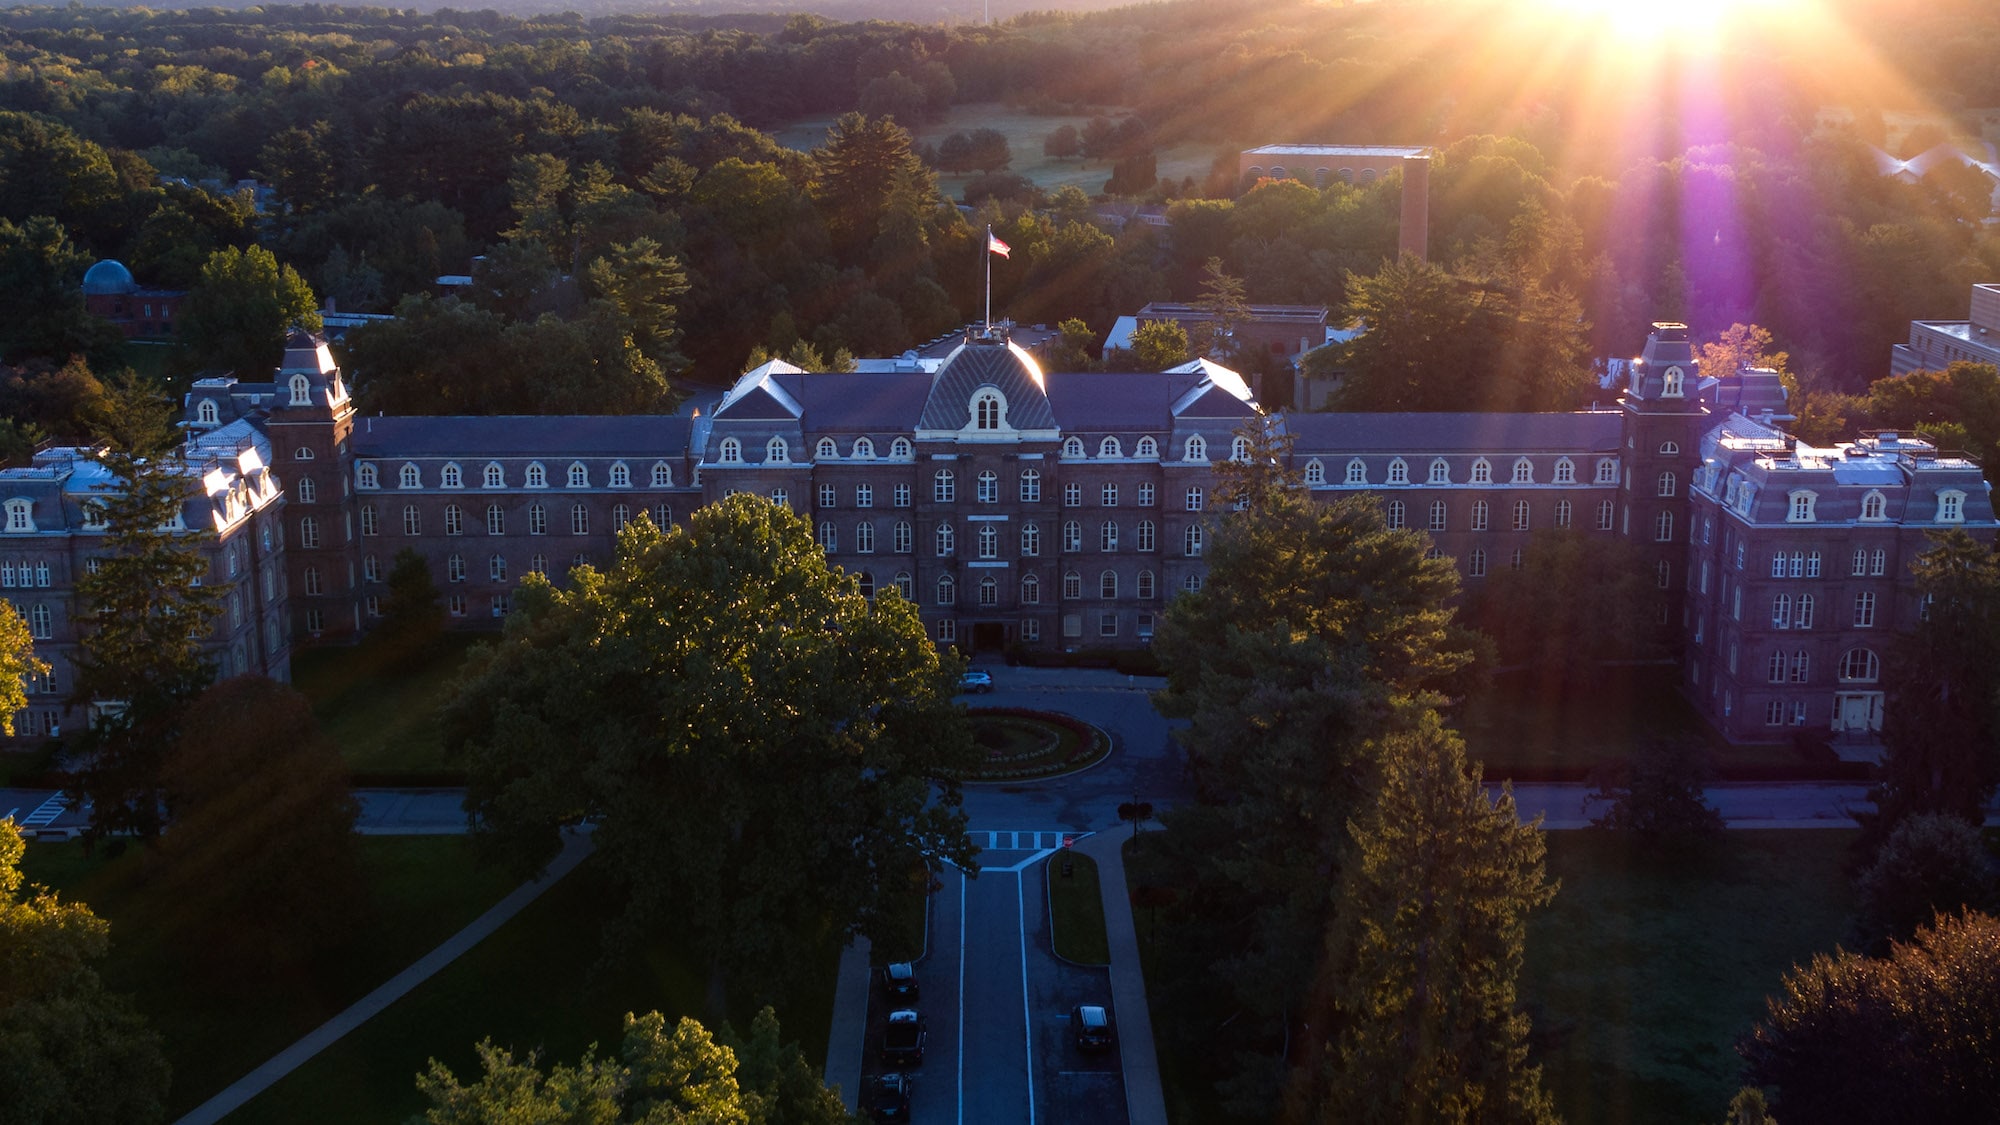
[863,160]
[143,614]
[1223,301]
[1426,949]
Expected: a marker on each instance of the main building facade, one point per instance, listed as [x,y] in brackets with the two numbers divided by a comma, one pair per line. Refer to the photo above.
[1059,511]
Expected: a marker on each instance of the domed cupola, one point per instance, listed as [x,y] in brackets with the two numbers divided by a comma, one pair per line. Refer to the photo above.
[1000,382]
[108,278]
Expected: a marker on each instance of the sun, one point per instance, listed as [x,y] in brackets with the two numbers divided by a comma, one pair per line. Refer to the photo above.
[1661,19]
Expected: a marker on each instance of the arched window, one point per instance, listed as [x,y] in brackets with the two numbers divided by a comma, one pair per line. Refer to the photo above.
[1239,448]
[901,449]
[1440,472]
[663,475]
[454,520]
[1874,506]
[621,515]
[946,540]
[301,391]
[308,532]
[1110,447]
[1031,540]
[1670,384]
[1565,471]
[777,451]
[1399,471]
[947,590]
[496,477]
[826,450]
[621,476]
[1951,506]
[829,536]
[905,537]
[1607,470]
[1107,537]
[1438,515]
[1191,541]
[1197,449]
[1107,584]
[1031,486]
[1145,585]
[1781,611]
[1072,447]
[906,586]
[1475,563]
[1668,483]
[307,490]
[864,450]
[303,453]
[1859,666]
[989,541]
[1663,527]
[1357,473]
[1669,448]
[989,487]
[865,583]
[538,477]
[1072,536]
[1031,590]
[864,538]
[364,476]
[1562,513]
[1315,472]
[538,520]
[451,477]
[989,591]
[1524,471]
[413,523]
[1072,584]
[1482,471]
[311,577]
[579,520]
[207,412]
[989,410]
[1148,448]
[944,487]
[1143,536]
[1480,515]
[1398,516]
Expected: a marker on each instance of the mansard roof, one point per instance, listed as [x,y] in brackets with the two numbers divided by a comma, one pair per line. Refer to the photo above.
[1593,431]
[979,363]
[555,436]
[861,402]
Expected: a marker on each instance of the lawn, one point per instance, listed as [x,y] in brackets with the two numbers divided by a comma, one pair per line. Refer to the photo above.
[1025,133]
[534,985]
[1076,909]
[1639,977]
[385,718]
[424,890]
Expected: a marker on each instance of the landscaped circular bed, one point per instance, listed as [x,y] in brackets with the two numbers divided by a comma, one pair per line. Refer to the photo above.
[1019,744]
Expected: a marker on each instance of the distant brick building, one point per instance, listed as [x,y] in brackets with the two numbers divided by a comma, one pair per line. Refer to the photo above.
[110,292]
[1322,165]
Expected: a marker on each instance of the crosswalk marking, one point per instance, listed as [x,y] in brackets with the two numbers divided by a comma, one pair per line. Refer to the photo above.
[46,813]
[1020,840]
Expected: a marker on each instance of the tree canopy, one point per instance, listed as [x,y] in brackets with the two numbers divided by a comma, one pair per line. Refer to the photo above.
[753,736]
[17,663]
[241,309]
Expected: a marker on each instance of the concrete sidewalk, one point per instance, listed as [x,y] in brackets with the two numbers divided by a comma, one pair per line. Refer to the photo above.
[846,1043]
[576,845]
[1145,1102]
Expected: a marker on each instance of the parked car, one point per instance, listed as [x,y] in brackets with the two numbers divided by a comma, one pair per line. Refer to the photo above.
[903,1041]
[975,681]
[900,981]
[892,1097]
[1091,1027]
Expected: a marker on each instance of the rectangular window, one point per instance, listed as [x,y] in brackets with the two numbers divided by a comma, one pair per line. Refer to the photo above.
[1878,562]
[1031,629]
[828,495]
[1108,496]
[902,496]
[368,524]
[947,631]
[1072,496]
[1146,495]
[1860,566]
[864,495]
[1812,565]
[1864,610]
[1437,515]
[1195,500]
[413,523]
[1107,624]
[315,621]
[456,604]
[1562,513]
[1072,624]
[1774,713]
[499,605]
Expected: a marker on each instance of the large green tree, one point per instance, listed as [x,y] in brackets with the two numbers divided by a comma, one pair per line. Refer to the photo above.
[1942,715]
[71,1053]
[1424,1022]
[44,317]
[239,312]
[860,165]
[261,869]
[1962,402]
[1905,1039]
[754,738]
[662,1076]
[412,617]
[143,614]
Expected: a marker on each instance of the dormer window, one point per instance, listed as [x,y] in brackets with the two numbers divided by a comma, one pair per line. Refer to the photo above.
[1951,506]
[1874,506]
[1440,472]
[1148,448]
[1399,471]
[1239,449]
[826,450]
[207,413]
[663,475]
[1072,447]
[989,410]
[1357,473]
[579,477]
[94,518]
[1315,472]
[301,391]
[1565,471]
[1670,383]
[777,451]
[621,476]
[1801,510]
[1197,449]
[1607,471]
[496,477]
[731,453]
[451,477]
[902,450]
[364,476]
[1110,447]
[538,477]
[864,450]
[1482,471]
[20,515]
[1524,471]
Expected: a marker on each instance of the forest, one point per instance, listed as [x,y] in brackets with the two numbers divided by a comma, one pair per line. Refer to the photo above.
[613,186]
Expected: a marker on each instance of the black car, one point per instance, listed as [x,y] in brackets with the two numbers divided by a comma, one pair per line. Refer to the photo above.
[900,981]
[903,1042]
[892,1097]
[1091,1027]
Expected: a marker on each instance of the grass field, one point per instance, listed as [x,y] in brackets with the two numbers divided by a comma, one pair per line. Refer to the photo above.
[1639,977]
[385,718]
[534,985]
[423,890]
[1024,132]
[1076,910]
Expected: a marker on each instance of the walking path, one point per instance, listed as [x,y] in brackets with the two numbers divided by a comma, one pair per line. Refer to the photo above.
[846,1044]
[1145,1102]
[576,845]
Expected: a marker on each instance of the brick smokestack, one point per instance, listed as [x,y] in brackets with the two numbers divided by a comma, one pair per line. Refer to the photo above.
[1416,223]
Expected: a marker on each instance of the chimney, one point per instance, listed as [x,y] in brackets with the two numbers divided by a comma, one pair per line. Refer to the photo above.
[1416,221]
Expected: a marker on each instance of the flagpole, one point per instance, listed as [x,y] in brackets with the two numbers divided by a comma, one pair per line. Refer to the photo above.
[987,253]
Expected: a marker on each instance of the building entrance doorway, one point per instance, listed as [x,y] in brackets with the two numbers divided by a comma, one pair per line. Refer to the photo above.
[989,636]
[1860,711]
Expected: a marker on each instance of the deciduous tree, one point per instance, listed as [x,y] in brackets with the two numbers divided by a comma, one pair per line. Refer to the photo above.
[17,663]
[1159,344]
[238,314]
[1931,864]
[1575,602]
[752,735]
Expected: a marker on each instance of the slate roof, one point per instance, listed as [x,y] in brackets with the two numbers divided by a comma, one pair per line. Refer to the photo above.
[1592,431]
[1007,368]
[658,435]
[860,402]
[1117,401]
